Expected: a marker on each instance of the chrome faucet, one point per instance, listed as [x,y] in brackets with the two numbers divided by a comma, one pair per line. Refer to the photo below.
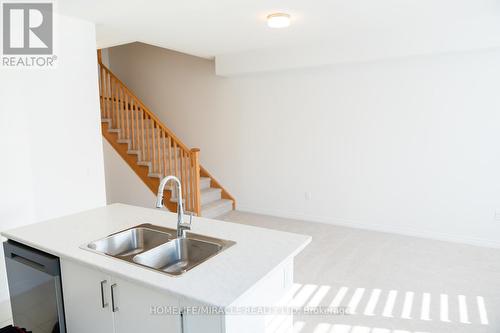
[182,227]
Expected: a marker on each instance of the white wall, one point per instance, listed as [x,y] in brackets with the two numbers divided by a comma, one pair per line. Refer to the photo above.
[407,145]
[122,184]
[50,137]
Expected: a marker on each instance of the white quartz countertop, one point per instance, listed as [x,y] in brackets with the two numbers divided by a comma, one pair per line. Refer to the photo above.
[219,281]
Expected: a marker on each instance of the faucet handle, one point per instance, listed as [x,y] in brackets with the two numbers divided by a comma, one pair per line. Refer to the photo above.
[190,216]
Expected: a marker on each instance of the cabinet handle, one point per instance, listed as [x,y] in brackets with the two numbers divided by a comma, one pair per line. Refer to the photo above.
[113,307]
[103,302]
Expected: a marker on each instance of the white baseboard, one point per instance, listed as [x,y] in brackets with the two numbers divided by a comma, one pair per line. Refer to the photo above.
[407,231]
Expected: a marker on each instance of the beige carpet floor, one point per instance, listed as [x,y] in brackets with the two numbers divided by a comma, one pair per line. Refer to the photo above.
[390,283]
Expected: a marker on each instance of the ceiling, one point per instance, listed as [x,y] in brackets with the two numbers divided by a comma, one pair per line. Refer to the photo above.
[209,28]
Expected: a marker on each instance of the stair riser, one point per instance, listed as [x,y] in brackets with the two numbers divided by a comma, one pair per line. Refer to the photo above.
[208,197]
[204,184]
[218,211]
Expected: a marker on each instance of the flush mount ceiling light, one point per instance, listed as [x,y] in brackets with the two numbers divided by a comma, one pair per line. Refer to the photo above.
[278,20]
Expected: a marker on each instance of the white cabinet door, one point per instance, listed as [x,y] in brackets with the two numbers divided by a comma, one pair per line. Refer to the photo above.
[202,323]
[87,300]
[135,306]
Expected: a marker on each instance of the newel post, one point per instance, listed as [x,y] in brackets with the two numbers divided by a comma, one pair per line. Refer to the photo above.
[101,81]
[195,167]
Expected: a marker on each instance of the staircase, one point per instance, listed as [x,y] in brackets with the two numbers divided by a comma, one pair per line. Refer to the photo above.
[153,151]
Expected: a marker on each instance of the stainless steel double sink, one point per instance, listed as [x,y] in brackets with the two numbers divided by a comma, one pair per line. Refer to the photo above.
[158,248]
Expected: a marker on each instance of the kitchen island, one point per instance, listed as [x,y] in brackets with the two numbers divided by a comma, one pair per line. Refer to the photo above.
[221,294]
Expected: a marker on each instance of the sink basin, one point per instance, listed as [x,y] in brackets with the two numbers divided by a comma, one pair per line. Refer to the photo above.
[157,248]
[178,255]
[131,242]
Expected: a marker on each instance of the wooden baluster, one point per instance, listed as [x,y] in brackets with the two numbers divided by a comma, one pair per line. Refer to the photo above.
[170,157]
[143,151]
[153,143]
[176,164]
[101,90]
[113,102]
[148,136]
[127,114]
[110,104]
[158,142]
[181,174]
[191,182]
[184,179]
[132,115]
[134,123]
[117,110]
[99,76]
[137,124]
[118,103]
[105,94]
[109,92]
[132,119]
[164,151]
[146,157]
[188,182]
[122,114]
[138,134]
[157,145]
[195,180]
[108,96]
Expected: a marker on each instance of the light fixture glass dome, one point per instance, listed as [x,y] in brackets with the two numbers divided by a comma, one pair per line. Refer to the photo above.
[278,20]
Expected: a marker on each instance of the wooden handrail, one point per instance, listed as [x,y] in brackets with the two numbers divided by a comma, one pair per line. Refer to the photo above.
[195,170]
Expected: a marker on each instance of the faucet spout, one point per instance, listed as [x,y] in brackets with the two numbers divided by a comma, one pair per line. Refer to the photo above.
[181,226]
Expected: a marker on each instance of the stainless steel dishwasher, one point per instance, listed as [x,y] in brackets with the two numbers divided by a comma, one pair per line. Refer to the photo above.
[35,288]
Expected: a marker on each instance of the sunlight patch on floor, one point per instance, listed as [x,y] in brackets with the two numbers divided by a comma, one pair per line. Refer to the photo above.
[338,328]
[392,303]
